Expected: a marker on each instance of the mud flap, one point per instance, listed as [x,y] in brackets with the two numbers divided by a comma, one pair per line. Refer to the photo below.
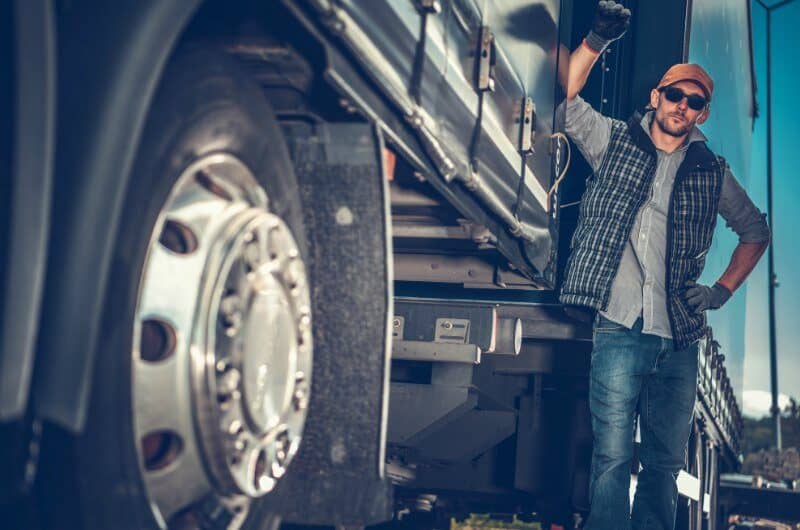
[337,476]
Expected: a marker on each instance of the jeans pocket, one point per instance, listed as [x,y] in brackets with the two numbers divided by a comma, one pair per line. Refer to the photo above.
[604,325]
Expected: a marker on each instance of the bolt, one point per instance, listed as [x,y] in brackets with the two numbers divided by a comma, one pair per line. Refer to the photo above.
[300,395]
[282,447]
[414,119]
[277,470]
[334,24]
[265,482]
[228,383]
[231,312]
[300,399]
[344,216]
[252,253]
[294,274]
[222,365]
[235,428]
[275,239]
[304,325]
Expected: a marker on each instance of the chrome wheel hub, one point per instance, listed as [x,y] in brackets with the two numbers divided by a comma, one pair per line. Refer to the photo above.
[222,344]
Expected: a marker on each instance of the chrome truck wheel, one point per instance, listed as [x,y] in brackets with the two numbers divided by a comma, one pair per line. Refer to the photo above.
[221,343]
[203,362]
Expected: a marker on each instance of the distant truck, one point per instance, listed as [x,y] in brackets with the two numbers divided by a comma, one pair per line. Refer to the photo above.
[296,262]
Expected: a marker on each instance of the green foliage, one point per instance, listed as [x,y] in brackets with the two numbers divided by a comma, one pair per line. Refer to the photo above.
[490,522]
[758,433]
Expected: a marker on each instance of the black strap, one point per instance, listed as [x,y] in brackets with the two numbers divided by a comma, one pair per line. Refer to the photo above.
[417,69]
[520,185]
[475,142]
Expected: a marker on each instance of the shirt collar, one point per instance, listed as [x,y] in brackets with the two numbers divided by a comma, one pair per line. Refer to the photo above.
[695,135]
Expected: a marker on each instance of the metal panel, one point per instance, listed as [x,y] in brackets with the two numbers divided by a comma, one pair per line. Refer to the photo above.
[527,35]
[111,60]
[386,108]
[415,350]
[447,119]
[433,321]
[30,196]
[416,410]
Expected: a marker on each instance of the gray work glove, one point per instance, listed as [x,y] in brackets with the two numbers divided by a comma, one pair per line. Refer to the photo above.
[611,21]
[702,297]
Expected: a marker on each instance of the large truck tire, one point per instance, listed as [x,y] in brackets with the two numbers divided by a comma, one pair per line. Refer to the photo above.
[203,369]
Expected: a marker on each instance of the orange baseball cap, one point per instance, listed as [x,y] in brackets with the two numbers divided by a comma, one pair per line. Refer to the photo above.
[688,72]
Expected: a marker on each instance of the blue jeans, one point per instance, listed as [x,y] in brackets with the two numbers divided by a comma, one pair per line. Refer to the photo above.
[635,373]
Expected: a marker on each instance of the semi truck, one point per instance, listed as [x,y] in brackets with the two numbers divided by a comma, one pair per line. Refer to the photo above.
[296,262]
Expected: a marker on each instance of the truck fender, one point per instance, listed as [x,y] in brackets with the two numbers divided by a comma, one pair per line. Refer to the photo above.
[105,88]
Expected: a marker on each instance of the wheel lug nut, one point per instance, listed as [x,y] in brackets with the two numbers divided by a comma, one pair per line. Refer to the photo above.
[231,312]
[281,447]
[300,395]
[300,399]
[235,428]
[252,253]
[222,365]
[294,274]
[277,470]
[265,482]
[228,383]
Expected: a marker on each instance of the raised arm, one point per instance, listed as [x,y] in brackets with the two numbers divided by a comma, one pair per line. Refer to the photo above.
[581,62]
[611,20]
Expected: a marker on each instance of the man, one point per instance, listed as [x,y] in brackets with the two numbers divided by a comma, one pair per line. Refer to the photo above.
[646,222]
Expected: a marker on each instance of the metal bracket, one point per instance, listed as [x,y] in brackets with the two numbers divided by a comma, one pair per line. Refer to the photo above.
[417,350]
[430,6]
[527,125]
[486,59]
[453,330]
[398,325]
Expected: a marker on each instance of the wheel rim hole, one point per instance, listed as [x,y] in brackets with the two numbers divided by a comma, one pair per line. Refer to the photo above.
[158,340]
[186,519]
[207,182]
[261,468]
[160,449]
[178,238]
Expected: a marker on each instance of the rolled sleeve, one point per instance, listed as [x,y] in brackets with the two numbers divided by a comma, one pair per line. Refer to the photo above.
[590,130]
[740,214]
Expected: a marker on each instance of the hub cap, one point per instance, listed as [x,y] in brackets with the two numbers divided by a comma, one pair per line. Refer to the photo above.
[222,346]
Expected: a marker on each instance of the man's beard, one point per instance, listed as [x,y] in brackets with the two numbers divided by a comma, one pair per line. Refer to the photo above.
[666,127]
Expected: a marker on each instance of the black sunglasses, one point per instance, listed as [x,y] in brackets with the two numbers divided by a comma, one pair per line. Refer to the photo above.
[676,95]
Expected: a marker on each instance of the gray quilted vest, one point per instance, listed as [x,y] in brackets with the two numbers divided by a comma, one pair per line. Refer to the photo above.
[608,209]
